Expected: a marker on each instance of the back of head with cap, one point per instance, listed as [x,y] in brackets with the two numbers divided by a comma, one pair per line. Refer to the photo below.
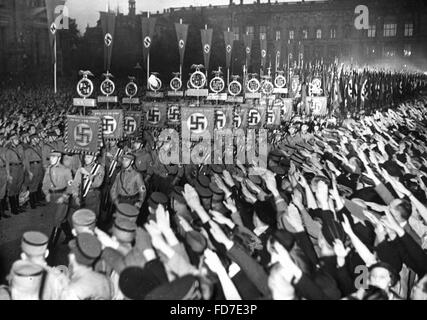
[34,244]
[25,280]
[83,220]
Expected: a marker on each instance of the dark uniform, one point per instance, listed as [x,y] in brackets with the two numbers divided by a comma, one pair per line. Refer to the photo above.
[3,183]
[33,155]
[93,198]
[56,186]
[15,169]
[128,187]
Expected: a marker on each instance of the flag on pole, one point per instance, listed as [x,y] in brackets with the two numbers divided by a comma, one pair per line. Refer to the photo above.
[54,8]
[147,27]
[181,34]
[229,40]
[108,23]
[206,36]
[247,39]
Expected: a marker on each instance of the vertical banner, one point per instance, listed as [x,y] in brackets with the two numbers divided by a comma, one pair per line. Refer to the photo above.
[181,34]
[263,46]
[277,53]
[112,123]
[83,134]
[147,27]
[206,36]
[247,39]
[108,23]
[155,115]
[53,9]
[132,123]
[229,40]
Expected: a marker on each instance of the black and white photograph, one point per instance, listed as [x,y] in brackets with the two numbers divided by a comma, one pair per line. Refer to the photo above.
[230,151]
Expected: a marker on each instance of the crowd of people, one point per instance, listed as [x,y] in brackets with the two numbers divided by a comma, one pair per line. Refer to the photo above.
[340,212]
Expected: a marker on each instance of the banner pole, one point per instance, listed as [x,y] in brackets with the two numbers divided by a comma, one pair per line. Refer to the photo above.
[148,70]
[54,67]
[148,57]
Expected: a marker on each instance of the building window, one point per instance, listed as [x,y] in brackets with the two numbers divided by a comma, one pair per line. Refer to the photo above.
[390,29]
[389,51]
[319,34]
[333,33]
[372,31]
[371,51]
[291,34]
[278,33]
[304,33]
[250,30]
[263,32]
[407,51]
[236,32]
[409,29]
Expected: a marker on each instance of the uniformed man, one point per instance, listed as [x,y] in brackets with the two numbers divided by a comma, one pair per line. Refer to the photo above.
[57,187]
[33,155]
[58,140]
[87,183]
[15,171]
[143,157]
[34,249]
[128,187]
[110,159]
[47,147]
[3,180]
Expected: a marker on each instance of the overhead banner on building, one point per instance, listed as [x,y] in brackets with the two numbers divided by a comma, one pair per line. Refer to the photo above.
[247,40]
[181,35]
[54,10]
[263,45]
[155,115]
[206,36]
[132,123]
[108,24]
[147,26]
[229,40]
[112,123]
[83,134]
[277,53]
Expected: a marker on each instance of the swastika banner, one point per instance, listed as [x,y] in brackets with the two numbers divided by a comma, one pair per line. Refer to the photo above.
[272,118]
[154,115]
[255,117]
[112,123]
[83,134]
[223,117]
[132,123]
[318,106]
[197,121]
[174,115]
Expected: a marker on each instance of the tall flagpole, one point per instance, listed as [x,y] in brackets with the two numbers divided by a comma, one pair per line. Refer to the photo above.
[54,66]
[228,69]
[148,57]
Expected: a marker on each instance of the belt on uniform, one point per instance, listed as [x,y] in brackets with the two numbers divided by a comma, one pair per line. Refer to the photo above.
[16,164]
[35,162]
[57,191]
[128,197]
